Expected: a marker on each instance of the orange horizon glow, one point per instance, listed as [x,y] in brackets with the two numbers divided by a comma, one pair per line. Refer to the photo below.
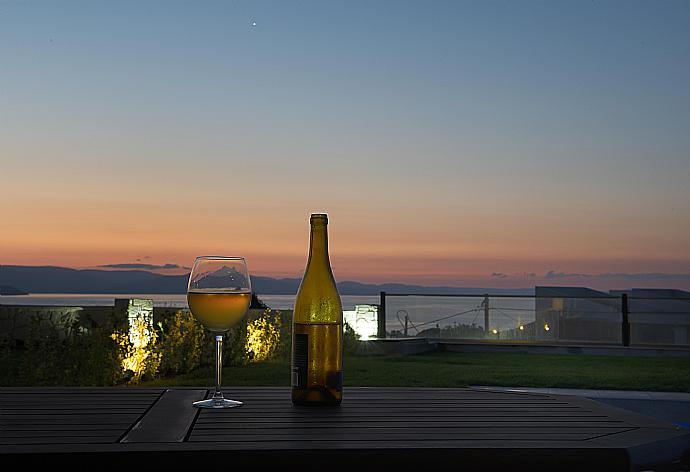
[377,245]
[369,248]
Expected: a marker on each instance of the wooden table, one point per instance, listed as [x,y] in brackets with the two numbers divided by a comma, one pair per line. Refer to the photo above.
[374,427]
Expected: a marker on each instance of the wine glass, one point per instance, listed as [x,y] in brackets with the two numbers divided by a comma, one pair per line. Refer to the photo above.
[218,295]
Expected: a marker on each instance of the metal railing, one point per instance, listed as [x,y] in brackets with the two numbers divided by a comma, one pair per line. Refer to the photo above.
[618,319]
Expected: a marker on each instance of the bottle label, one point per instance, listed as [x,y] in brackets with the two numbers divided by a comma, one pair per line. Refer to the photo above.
[301,360]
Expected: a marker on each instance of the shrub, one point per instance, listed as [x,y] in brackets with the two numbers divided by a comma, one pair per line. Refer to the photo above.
[351,342]
[64,349]
[181,344]
[66,354]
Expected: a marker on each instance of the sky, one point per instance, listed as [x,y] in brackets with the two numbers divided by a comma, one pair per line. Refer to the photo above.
[489,143]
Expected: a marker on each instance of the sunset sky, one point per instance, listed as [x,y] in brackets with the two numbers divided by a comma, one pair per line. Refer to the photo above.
[458,143]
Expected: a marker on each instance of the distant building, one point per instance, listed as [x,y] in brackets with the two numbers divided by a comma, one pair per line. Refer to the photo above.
[658,316]
[578,314]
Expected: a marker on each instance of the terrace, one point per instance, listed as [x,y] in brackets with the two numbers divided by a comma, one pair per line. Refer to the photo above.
[389,423]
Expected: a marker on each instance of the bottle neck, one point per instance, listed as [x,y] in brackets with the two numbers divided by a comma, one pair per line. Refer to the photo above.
[318,245]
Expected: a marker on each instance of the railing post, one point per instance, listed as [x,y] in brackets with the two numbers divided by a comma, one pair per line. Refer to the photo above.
[486,313]
[625,325]
[382,317]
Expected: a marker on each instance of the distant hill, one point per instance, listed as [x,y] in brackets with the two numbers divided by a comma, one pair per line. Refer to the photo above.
[7,290]
[357,288]
[49,279]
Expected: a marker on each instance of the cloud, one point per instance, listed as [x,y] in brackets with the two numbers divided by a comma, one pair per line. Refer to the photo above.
[552,274]
[517,275]
[134,265]
[646,276]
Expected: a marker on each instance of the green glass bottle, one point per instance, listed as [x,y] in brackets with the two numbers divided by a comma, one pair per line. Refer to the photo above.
[317,327]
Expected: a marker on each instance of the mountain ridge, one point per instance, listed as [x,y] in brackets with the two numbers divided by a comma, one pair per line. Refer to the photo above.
[55,279]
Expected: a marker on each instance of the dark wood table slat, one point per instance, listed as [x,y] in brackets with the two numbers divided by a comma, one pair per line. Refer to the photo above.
[270,400]
[420,414]
[248,439]
[61,440]
[169,420]
[71,419]
[86,411]
[110,399]
[60,393]
[57,434]
[440,420]
[433,432]
[67,427]
[417,426]
[58,407]
[407,405]
[118,391]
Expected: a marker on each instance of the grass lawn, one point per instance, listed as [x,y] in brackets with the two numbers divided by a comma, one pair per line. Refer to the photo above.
[462,370]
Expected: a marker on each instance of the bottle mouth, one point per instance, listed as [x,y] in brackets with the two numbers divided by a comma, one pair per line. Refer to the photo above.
[319,218]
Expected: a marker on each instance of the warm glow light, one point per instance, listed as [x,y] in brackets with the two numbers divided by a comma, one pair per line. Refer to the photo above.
[522,328]
[495,331]
[140,321]
[363,320]
[546,327]
[139,355]
[263,336]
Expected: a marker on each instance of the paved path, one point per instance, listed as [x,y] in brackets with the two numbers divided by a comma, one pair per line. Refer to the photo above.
[668,406]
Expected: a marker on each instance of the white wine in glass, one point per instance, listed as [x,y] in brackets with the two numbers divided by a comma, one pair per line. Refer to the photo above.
[218,311]
[218,295]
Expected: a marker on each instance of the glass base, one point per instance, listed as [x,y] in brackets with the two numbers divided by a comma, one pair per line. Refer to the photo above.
[217,403]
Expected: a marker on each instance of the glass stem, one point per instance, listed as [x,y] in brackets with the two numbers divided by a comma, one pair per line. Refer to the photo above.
[217,394]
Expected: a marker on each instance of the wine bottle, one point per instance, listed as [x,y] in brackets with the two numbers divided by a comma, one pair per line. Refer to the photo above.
[317,327]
